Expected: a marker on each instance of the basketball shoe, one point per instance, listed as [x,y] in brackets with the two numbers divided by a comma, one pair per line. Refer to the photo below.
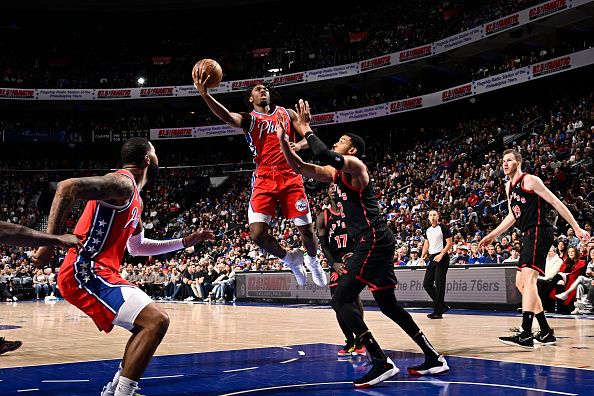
[523,339]
[347,349]
[545,338]
[9,346]
[294,260]
[317,272]
[431,366]
[380,371]
[359,350]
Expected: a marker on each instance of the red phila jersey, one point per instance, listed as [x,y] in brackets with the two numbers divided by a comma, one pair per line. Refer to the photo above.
[262,140]
[106,229]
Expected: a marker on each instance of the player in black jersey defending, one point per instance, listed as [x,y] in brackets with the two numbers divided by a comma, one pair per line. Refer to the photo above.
[528,200]
[372,261]
[338,248]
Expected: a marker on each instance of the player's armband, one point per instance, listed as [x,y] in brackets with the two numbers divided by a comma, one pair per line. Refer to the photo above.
[321,152]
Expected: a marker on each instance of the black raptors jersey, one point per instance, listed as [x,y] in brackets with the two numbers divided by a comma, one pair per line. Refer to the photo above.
[338,239]
[528,208]
[360,207]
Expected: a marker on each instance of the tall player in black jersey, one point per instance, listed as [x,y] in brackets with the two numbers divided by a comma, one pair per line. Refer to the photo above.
[528,200]
[372,261]
[338,248]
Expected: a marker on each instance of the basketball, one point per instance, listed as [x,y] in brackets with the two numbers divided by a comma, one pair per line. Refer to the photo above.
[212,68]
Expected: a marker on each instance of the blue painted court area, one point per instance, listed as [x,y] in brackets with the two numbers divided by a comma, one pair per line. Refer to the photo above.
[296,369]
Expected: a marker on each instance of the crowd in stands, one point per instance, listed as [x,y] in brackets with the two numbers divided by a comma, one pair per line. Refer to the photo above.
[164,56]
[458,171]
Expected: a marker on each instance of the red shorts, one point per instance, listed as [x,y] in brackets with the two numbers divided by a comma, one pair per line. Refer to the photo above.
[100,293]
[277,184]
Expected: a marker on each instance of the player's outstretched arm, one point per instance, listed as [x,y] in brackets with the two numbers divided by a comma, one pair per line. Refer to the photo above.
[345,163]
[236,120]
[18,235]
[320,173]
[506,223]
[535,184]
[138,245]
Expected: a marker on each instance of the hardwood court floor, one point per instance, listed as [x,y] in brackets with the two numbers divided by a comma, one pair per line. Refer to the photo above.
[57,332]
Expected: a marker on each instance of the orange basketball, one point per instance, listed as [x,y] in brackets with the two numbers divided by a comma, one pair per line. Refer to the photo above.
[212,68]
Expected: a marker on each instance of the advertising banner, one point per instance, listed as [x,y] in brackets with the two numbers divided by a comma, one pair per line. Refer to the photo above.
[458,40]
[17,93]
[375,63]
[362,113]
[415,53]
[502,80]
[193,132]
[473,285]
[408,55]
[328,73]
[65,94]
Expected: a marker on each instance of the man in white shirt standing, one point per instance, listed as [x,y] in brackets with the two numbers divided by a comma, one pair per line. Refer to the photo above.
[438,242]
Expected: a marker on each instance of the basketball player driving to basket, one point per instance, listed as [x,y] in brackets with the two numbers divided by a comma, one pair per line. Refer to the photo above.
[273,180]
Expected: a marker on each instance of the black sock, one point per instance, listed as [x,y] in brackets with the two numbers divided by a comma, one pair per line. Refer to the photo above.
[542,322]
[527,319]
[425,345]
[372,346]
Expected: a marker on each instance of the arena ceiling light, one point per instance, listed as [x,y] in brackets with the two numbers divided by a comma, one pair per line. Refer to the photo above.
[141,80]
[274,70]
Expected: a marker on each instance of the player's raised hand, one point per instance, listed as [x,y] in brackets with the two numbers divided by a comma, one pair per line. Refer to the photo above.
[301,124]
[198,236]
[282,124]
[200,78]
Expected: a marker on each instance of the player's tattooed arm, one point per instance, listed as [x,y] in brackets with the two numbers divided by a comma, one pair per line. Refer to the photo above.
[112,187]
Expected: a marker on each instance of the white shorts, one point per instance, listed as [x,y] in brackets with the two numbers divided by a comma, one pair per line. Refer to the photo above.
[254,217]
[134,302]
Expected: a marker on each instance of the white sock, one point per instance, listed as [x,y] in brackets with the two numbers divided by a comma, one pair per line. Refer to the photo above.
[126,387]
[110,388]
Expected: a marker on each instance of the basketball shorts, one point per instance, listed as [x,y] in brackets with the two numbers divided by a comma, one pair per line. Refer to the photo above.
[271,185]
[373,259]
[101,293]
[536,243]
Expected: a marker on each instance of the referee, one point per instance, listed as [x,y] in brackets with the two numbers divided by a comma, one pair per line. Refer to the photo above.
[438,242]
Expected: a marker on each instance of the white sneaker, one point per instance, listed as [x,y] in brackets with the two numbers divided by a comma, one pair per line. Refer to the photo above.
[317,272]
[561,296]
[107,390]
[294,260]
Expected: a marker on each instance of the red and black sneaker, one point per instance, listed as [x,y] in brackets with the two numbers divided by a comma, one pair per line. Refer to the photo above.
[9,346]
[359,350]
[347,349]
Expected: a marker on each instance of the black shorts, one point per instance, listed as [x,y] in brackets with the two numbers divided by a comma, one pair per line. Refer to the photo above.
[536,243]
[373,260]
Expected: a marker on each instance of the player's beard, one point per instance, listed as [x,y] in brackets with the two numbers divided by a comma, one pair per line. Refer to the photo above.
[152,172]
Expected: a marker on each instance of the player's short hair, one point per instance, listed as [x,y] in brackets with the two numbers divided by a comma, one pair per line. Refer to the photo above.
[515,153]
[436,211]
[248,92]
[358,143]
[134,150]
